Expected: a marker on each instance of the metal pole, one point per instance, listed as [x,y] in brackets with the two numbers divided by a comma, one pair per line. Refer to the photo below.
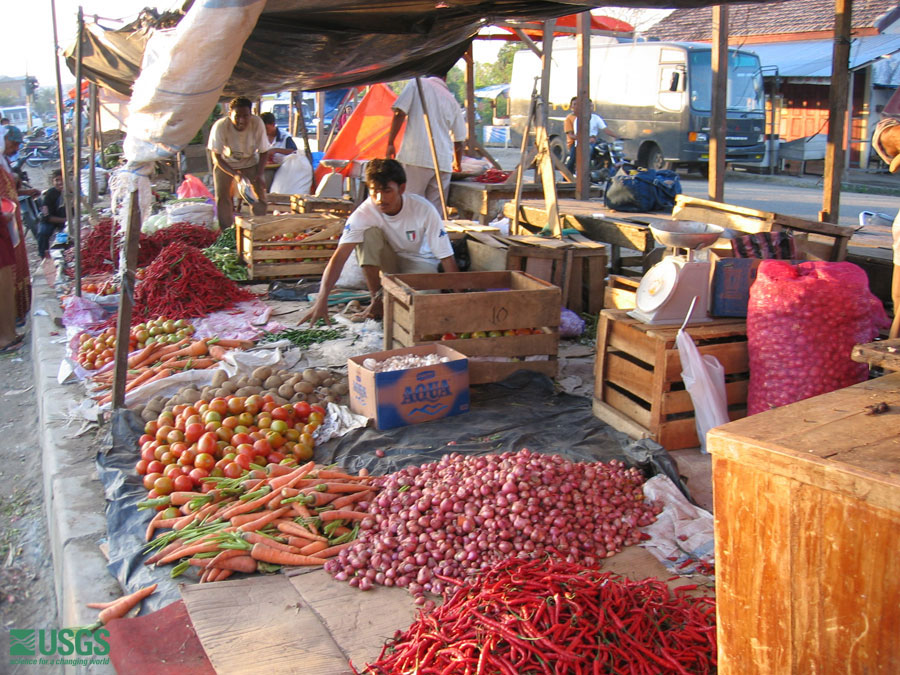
[76,240]
[61,134]
[92,190]
[434,157]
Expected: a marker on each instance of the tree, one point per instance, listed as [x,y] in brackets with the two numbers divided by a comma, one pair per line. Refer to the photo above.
[500,71]
[44,101]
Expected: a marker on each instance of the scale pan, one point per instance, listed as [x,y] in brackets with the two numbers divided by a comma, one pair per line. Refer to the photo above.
[686,233]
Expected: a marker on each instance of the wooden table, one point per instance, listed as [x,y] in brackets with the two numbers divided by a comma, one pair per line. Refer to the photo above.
[483,201]
[885,353]
[620,230]
[807,504]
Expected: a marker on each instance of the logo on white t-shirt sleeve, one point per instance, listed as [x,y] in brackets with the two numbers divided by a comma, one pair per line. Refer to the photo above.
[411,235]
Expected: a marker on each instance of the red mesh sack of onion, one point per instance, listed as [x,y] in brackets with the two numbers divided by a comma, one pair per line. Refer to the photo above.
[802,323]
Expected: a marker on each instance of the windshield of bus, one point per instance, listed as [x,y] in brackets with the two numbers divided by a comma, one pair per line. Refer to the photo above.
[745,83]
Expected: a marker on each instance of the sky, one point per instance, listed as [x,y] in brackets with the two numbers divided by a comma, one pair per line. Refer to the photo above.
[28,48]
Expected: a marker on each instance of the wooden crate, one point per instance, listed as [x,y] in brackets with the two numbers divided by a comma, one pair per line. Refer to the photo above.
[574,263]
[807,530]
[637,376]
[417,312]
[267,259]
[314,204]
[621,292]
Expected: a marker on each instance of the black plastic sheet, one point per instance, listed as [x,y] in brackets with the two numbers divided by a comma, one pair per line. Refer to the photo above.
[523,411]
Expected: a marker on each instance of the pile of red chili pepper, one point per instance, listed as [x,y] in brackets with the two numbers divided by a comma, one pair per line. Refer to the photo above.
[100,256]
[543,616]
[492,176]
[182,284]
[197,236]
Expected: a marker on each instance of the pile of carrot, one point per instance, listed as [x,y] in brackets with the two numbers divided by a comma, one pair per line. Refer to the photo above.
[290,517]
[158,361]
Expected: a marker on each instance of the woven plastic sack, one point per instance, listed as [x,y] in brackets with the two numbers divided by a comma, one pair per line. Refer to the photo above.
[802,323]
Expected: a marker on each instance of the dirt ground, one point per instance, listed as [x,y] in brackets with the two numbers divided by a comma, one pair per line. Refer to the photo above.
[27,597]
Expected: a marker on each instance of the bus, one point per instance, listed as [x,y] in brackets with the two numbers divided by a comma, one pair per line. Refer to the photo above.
[656,96]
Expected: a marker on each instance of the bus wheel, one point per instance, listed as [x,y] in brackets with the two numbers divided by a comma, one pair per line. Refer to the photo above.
[703,169]
[653,158]
[558,148]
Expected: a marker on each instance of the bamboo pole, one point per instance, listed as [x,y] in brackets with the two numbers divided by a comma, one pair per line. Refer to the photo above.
[76,163]
[92,189]
[434,157]
[718,117]
[126,301]
[61,135]
[837,112]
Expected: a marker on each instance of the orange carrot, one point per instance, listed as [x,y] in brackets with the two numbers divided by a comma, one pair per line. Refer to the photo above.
[189,364]
[141,357]
[233,344]
[256,538]
[140,379]
[240,563]
[331,474]
[225,555]
[245,518]
[346,487]
[181,498]
[158,375]
[165,550]
[123,605]
[276,470]
[347,500]
[195,349]
[264,520]
[344,514]
[332,551]
[217,352]
[317,499]
[288,479]
[219,574]
[289,527]
[190,550]
[314,547]
[270,555]
[304,512]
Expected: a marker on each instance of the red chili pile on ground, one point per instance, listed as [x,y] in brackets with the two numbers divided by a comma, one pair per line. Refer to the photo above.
[182,284]
[493,176]
[96,257]
[542,616]
[197,236]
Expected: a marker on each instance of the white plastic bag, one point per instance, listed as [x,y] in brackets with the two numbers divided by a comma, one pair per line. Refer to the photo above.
[704,379]
[294,176]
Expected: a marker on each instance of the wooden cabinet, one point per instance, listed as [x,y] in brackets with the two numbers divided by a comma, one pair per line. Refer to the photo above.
[807,525]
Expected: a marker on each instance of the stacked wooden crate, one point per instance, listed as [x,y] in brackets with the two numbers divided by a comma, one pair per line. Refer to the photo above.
[314,204]
[287,246]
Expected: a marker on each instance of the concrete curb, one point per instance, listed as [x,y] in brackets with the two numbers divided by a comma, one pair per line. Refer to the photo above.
[850,184]
[73,494]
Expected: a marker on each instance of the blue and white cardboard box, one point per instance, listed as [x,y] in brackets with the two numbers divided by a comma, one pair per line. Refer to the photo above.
[401,397]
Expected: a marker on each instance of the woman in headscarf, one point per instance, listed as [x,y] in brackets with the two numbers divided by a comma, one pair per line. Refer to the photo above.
[9,188]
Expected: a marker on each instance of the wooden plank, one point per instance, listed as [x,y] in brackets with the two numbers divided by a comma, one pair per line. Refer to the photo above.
[595,283]
[686,200]
[263,636]
[542,268]
[630,339]
[617,420]
[603,324]
[511,346]
[732,355]
[630,376]
[620,292]
[675,402]
[884,354]
[359,622]
[573,297]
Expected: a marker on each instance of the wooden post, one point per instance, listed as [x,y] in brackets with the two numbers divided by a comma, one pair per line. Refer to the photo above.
[126,301]
[320,125]
[434,157]
[717,122]
[471,142]
[837,112]
[292,122]
[76,238]
[92,189]
[61,136]
[585,107]
[544,164]
[520,169]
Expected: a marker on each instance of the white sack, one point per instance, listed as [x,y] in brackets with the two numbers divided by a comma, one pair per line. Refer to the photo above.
[294,176]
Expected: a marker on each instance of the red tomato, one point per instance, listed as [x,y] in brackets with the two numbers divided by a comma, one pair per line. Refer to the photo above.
[275,439]
[204,461]
[178,449]
[141,467]
[240,439]
[275,457]
[262,447]
[145,438]
[233,470]
[172,470]
[302,409]
[167,458]
[187,457]
[197,476]
[147,453]
[224,433]
[448,336]
[162,433]
[269,406]
[252,405]
[236,405]
[155,467]
[193,432]
[242,461]
[219,405]
[208,443]
[183,483]
[230,422]
[149,479]
[163,485]
[280,413]
[246,449]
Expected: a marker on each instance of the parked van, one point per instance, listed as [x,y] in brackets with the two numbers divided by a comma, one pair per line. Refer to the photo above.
[18,116]
[654,95]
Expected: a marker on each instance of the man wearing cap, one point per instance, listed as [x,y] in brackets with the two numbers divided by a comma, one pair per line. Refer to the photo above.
[886,141]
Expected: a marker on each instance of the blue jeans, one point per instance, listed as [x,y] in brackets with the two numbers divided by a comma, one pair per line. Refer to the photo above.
[45,232]
[570,162]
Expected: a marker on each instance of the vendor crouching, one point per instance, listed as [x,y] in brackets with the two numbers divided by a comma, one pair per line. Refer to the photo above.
[393,233]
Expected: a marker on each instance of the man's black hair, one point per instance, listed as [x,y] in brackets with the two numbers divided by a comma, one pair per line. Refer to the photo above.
[267,118]
[240,102]
[57,173]
[380,172]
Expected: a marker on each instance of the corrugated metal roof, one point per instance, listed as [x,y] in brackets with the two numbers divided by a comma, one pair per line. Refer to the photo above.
[812,58]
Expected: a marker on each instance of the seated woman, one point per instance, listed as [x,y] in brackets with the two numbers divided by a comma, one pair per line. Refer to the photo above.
[279,144]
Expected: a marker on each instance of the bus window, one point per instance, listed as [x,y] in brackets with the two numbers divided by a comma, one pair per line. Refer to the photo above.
[745,86]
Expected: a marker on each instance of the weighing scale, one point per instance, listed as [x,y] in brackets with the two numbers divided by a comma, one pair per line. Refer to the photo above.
[332,184]
[665,293]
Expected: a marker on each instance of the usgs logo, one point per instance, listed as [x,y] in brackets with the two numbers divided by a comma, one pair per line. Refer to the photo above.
[425,392]
[58,642]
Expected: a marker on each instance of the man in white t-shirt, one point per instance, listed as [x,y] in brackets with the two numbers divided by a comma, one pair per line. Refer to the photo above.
[392,232]
[448,128]
[596,126]
[239,148]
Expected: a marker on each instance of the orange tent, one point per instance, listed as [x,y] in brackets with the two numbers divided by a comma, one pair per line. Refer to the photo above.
[568,21]
[365,134]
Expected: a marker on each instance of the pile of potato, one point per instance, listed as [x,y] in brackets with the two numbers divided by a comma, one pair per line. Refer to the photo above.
[285,386]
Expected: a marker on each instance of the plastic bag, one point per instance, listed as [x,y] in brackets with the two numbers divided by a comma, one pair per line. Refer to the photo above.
[192,186]
[195,213]
[570,324]
[294,176]
[802,323]
[704,379]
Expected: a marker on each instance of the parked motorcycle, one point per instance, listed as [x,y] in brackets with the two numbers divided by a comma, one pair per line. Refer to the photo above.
[606,159]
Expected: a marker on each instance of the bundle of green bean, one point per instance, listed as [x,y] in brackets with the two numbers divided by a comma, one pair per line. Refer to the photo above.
[304,337]
[223,254]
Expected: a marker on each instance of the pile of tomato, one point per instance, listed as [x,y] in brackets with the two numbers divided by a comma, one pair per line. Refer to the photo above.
[108,287]
[160,330]
[225,437]
[96,351]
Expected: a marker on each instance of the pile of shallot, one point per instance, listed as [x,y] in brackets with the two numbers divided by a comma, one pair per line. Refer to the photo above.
[404,362]
[459,515]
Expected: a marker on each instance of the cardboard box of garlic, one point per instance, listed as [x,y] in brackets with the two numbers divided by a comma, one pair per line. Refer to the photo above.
[407,386]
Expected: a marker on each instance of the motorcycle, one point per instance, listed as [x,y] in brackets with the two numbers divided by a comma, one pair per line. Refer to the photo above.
[606,159]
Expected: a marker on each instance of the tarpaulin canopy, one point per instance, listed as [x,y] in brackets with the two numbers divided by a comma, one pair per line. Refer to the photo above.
[568,21]
[308,45]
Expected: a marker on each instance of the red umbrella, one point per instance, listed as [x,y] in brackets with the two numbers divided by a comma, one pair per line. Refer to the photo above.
[568,21]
